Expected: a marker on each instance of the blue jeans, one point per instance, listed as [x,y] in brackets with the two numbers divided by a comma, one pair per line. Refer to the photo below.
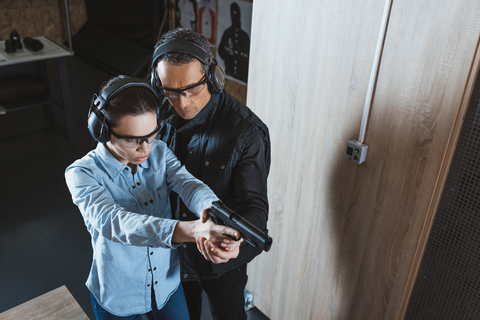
[175,309]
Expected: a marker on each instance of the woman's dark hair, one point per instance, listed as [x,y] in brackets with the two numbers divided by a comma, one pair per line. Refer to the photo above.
[133,101]
[180,58]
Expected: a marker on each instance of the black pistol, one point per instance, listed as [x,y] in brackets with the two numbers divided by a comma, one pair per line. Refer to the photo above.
[223,215]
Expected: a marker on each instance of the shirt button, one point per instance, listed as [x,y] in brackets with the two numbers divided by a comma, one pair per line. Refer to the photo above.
[222,167]
[149,270]
[185,276]
[148,285]
[138,183]
[207,163]
[146,203]
[151,253]
[156,282]
[155,268]
[151,200]
[184,246]
[190,152]
[184,215]
[126,168]
[133,187]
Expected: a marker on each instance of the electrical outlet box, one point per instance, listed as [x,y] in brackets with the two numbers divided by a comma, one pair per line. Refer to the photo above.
[356,151]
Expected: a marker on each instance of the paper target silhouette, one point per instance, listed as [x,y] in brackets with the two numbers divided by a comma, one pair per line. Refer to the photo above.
[234,46]
[186,11]
[206,19]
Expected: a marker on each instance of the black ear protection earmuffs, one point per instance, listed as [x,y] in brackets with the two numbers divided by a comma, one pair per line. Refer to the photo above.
[215,74]
[97,124]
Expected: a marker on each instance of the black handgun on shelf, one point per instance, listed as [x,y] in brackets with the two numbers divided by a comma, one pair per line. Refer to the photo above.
[223,215]
[32,44]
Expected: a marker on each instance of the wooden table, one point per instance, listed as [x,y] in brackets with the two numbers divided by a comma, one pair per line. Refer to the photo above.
[56,304]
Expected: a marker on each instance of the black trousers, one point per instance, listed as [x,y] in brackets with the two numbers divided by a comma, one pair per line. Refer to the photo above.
[225,294]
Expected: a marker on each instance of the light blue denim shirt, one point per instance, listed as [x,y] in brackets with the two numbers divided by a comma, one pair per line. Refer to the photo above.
[129,219]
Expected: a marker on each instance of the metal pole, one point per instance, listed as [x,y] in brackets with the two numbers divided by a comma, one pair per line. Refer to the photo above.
[69,31]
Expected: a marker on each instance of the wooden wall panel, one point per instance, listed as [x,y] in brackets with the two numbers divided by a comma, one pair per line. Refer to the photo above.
[40,17]
[442,178]
[345,235]
[237,90]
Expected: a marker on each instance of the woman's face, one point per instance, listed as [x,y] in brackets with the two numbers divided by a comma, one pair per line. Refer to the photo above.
[133,126]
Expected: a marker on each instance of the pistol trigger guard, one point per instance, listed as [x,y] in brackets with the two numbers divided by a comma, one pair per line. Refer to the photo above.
[233,238]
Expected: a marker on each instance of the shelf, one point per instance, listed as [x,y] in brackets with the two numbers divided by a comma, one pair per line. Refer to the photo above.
[51,49]
[22,103]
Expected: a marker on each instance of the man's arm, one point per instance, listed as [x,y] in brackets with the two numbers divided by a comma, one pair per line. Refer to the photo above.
[250,183]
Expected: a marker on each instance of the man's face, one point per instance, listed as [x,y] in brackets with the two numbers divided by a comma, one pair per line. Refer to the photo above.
[184,76]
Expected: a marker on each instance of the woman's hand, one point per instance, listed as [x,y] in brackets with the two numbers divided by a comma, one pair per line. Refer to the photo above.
[216,234]
[189,231]
[204,216]
[229,249]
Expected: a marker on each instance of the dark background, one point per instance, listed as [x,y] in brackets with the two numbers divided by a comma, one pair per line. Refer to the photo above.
[43,240]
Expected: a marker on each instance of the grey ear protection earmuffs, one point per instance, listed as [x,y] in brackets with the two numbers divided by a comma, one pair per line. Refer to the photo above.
[96,119]
[215,74]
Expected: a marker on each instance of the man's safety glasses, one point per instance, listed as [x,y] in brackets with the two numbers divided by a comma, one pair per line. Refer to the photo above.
[135,142]
[188,92]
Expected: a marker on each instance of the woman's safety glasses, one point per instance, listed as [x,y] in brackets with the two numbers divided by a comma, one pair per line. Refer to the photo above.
[135,142]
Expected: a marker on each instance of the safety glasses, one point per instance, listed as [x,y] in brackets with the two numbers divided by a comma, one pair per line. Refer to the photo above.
[135,142]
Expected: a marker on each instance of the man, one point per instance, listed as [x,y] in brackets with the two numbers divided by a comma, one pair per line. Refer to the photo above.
[222,143]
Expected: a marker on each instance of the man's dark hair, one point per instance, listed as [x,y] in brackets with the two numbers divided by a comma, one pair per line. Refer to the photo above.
[179,58]
[133,101]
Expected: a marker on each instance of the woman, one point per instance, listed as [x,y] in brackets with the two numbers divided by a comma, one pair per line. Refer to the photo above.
[122,190]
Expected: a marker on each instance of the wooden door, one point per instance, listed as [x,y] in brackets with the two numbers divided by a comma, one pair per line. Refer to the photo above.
[345,235]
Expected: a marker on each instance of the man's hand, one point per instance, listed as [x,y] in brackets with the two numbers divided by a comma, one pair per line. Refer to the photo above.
[229,249]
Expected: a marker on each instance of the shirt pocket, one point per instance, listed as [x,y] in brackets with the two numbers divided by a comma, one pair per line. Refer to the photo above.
[217,170]
[162,191]
[129,204]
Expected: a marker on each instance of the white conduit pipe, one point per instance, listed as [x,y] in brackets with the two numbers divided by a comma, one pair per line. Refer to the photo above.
[373,75]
